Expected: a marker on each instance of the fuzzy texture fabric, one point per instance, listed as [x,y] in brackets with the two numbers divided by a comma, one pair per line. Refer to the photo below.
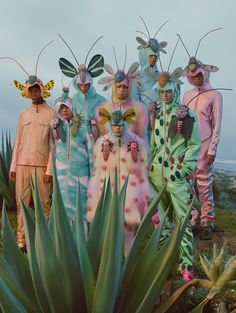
[120,158]
[74,163]
[208,107]
[173,161]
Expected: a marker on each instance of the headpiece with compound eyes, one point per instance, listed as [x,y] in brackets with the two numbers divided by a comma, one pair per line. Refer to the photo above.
[151,42]
[33,79]
[120,75]
[83,73]
[194,65]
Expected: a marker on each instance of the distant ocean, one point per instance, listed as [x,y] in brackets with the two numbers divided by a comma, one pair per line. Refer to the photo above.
[225,165]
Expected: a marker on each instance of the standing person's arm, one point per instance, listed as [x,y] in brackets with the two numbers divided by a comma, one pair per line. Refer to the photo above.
[217,108]
[12,172]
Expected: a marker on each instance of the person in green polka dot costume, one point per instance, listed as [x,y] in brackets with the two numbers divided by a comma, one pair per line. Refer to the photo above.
[175,146]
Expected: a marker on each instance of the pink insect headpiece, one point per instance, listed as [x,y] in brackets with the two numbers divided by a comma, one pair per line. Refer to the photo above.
[194,65]
[120,76]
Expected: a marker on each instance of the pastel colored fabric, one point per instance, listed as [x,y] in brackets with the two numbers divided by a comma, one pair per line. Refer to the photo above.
[73,163]
[208,107]
[173,161]
[120,158]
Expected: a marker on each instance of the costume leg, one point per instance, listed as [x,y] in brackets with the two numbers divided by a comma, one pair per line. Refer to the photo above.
[23,191]
[181,200]
[204,181]
[44,190]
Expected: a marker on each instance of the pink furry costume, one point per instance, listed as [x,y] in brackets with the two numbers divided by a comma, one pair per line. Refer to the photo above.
[127,154]
[139,127]
[207,103]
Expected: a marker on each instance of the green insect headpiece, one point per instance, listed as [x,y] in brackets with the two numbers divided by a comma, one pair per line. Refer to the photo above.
[116,117]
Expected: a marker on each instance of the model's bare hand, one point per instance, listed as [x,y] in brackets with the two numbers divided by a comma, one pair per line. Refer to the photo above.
[12,176]
[210,159]
[47,179]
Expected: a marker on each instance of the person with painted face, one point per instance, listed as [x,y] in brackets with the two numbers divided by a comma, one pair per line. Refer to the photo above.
[73,154]
[122,151]
[121,99]
[207,103]
[175,146]
[86,99]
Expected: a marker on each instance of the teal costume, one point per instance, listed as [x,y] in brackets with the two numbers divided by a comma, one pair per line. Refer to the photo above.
[175,149]
[73,156]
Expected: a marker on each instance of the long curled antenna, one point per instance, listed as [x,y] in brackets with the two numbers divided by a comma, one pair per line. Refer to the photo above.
[115,57]
[125,58]
[184,45]
[159,59]
[230,89]
[36,66]
[138,31]
[161,28]
[91,49]
[173,54]
[145,26]
[213,30]
[17,63]
[62,81]
[69,48]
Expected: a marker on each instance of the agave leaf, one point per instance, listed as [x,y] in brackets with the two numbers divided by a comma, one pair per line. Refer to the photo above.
[200,307]
[66,251]
[49,266]
[110,268]
[20,271]
[8,302]
[98,227]
[85,263]
[142,231]
[29,225]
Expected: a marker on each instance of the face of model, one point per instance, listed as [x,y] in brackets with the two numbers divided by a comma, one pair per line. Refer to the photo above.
[65,112]
[84,87]
[166,96]
[198,79]
[35,94]
[122,91]
[152,59]
[117,130]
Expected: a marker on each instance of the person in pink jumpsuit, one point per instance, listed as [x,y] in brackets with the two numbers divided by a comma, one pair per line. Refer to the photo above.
[207,103]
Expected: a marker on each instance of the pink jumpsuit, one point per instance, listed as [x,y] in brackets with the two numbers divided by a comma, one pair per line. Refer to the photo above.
[208,107]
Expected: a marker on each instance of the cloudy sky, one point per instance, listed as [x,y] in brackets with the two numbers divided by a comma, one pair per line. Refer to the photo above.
[26,26]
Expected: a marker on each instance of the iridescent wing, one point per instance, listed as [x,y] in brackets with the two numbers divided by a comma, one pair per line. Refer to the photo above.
[96,65]
[67,68]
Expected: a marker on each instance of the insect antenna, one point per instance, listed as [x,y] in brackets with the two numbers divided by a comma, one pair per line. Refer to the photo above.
[161,28]
[159,59]
[36,66]
[69,48]
[213,30]
[184,45]
[125,58]
[91,49]
[138,31]
[17,63]
[145,26]
[173,54]
[230,89]
[115,58]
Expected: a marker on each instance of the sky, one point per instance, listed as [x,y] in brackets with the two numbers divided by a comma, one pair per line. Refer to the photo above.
[26,26]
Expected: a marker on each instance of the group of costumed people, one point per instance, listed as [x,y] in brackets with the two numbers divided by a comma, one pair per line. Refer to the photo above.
[144,133]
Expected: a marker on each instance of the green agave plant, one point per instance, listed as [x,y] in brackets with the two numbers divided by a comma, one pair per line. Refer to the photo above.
[220,282]
[63,271]
[7,187]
